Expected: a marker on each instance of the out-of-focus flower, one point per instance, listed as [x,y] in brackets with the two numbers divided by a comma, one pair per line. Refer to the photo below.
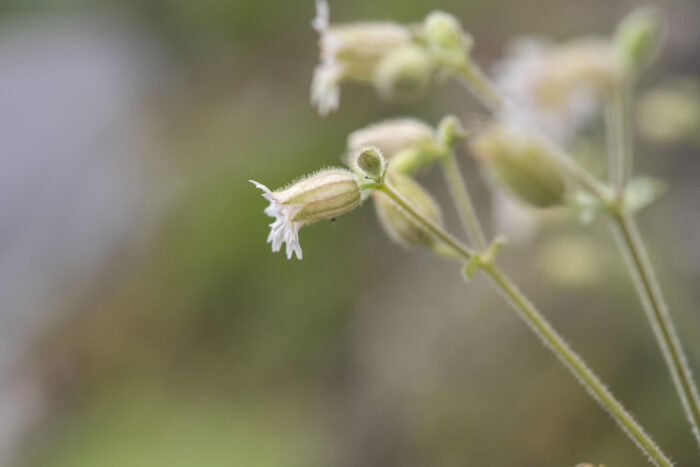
[350,52]
[521,163]
[671,113]
[407,143]
[404,73]
[398,225]
[323,195]
[555,89]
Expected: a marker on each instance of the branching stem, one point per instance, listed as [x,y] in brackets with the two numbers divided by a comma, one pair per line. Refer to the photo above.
[539,324]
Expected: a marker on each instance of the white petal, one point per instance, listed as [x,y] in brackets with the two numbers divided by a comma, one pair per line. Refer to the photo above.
[322,19]
[325,87]
[283,229]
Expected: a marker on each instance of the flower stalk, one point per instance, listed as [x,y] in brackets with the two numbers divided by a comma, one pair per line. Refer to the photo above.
[460,196]
[628,236]
[618,118]
[649,290]
[539,324]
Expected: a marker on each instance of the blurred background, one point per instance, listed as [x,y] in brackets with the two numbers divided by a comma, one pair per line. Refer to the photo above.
[144,322]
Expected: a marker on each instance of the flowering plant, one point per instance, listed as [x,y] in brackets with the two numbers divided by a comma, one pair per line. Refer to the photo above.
[541,97]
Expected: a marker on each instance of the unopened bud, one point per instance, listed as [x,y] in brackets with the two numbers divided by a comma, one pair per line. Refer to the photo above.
[522,164]
[400,227]
[443,30]
[638,37]
[407,143]
[450,130]
[370,163]
[323,195]
[404,73]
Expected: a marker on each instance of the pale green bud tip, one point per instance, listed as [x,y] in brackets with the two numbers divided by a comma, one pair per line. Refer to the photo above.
[638,37]
[398,225]
[370,163]
[522,164]
[444,30]
[324,195]
[407,143]
[450,130]
[404,73]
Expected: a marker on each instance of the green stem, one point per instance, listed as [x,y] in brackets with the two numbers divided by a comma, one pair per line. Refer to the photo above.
[538,323]
[576,365]
[460,195]
[448,239]
[649,291]
[637,258]
[618,119]
[479,85]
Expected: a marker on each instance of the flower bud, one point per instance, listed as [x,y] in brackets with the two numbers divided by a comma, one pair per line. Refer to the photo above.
[638,38]
[400,227]
[443,30]
[450,130]
[323,195]
[370,163]
[522,164]
[404,73]
[350,52]
[407,143]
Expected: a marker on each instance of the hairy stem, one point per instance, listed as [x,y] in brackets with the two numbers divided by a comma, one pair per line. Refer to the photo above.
[630,242]
[438,232]
[538,323]
[478,83]
[460,195]
[636,257]
[576,365]
[649,291]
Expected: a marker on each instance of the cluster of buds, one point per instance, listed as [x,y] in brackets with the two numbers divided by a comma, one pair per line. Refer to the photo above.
[400,61]
[553,87]
[333,192]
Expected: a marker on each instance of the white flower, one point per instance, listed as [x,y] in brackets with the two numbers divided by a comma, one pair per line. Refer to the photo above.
[283,229]
[554,89]
[349,51]
[323,195]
